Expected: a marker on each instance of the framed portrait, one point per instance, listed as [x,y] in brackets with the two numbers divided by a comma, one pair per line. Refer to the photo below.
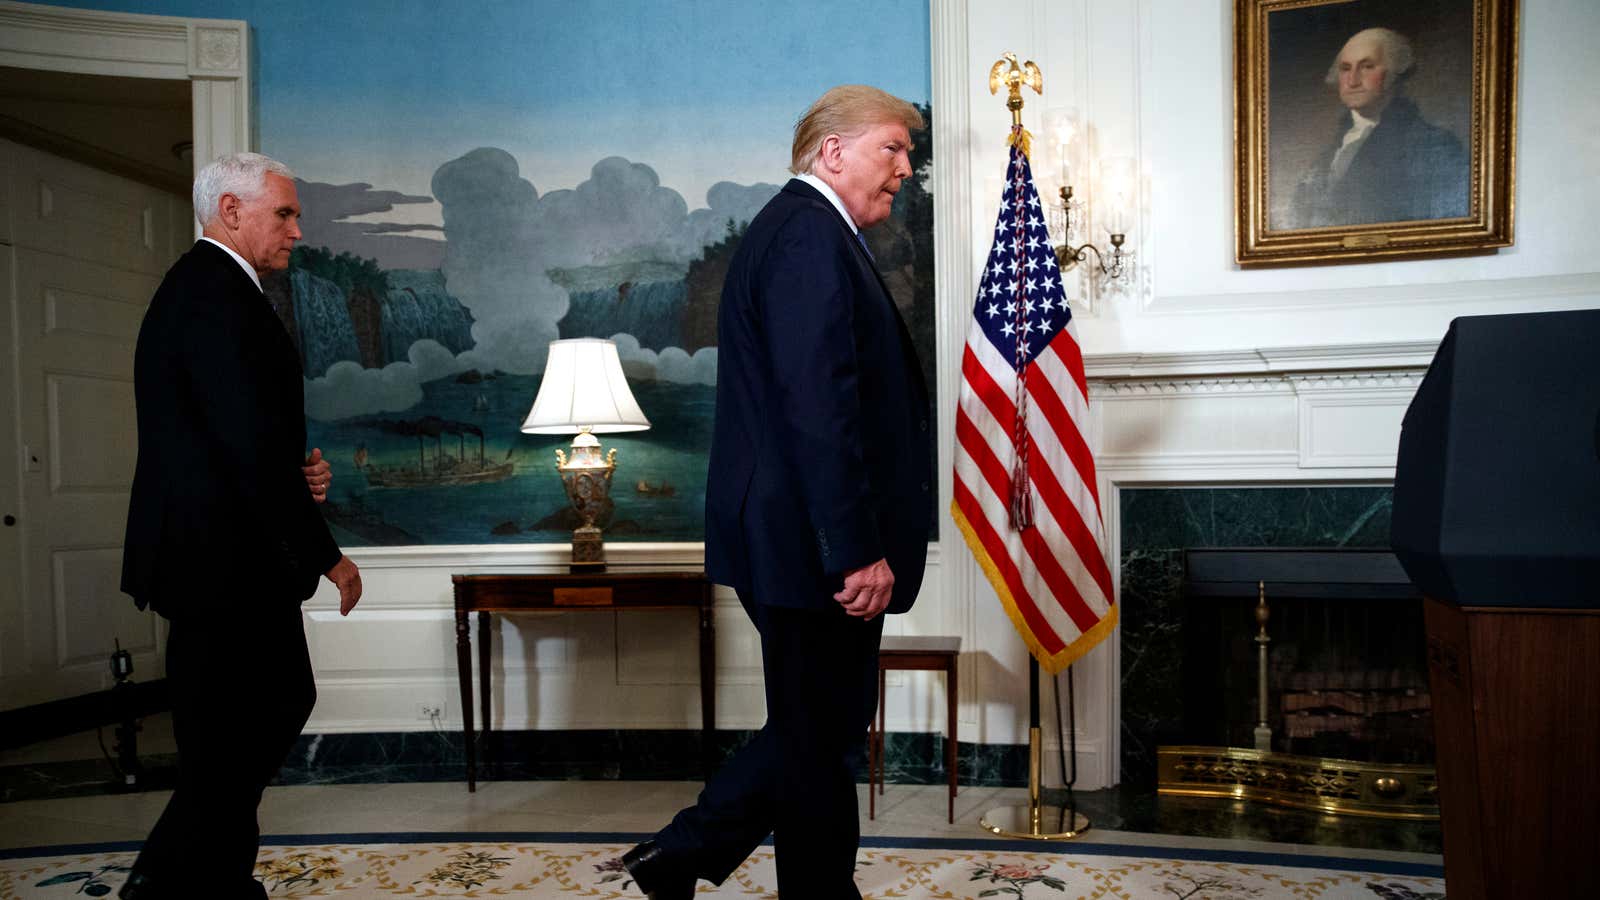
[1373,129]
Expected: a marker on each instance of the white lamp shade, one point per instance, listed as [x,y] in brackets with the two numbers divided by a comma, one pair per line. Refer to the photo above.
[584,389]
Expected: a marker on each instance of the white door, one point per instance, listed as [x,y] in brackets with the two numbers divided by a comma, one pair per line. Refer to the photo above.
[85,250]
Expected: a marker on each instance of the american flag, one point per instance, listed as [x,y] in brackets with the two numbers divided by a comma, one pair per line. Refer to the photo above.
[1025,494]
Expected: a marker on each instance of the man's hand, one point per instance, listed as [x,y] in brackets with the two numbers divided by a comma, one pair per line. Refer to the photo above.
[347,577]
[867,590]
[318,475]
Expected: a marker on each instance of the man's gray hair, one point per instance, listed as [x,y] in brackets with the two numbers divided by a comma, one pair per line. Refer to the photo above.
[243,175]
[1397,55]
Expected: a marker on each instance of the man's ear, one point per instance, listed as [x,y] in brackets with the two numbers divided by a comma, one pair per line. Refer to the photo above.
[831,153]
[228,207]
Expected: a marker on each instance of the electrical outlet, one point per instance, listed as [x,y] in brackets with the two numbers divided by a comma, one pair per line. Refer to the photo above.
[430,711]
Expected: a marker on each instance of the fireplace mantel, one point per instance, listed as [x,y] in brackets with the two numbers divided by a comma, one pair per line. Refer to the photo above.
[1315,413]
[1307,417]
[1405,355]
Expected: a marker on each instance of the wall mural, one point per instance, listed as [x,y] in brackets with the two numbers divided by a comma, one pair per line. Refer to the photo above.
[478,185]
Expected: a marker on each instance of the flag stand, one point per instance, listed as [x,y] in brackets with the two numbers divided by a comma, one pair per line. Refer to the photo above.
[1011,341]
[1040,821]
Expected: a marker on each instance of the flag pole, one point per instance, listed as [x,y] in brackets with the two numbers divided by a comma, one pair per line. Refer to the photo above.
[1037,820]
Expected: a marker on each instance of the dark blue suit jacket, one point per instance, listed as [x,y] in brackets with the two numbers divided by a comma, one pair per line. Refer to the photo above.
[220,508]
[820,461]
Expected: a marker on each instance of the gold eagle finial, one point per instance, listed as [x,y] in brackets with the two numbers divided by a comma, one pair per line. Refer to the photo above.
[1006,72]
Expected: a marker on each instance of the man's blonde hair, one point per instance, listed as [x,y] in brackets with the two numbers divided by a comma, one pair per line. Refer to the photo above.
[847,110]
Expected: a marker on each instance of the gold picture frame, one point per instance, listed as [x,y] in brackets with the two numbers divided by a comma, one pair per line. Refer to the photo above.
[1427,171]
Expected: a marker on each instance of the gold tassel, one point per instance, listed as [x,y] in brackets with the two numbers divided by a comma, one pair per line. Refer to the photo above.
[1027,141]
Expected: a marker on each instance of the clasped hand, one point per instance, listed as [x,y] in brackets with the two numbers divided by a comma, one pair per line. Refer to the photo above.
[867,590]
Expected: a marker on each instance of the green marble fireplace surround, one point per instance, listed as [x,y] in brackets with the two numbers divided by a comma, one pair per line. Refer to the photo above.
[1158,524]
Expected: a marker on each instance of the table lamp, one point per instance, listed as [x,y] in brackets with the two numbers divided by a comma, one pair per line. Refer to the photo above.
[585,393]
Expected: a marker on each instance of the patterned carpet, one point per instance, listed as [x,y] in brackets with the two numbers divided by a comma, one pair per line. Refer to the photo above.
[574,865]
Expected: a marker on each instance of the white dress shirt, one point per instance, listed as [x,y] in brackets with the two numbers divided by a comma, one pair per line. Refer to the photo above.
[1360,128]
[826,191]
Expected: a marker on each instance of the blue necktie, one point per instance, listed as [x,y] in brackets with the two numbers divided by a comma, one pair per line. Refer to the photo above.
[862,239]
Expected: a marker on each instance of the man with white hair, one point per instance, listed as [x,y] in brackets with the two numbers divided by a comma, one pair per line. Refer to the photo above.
[224,539]
[1385,163]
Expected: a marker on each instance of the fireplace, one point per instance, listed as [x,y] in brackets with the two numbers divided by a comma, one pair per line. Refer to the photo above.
[1304,682]
[1158,525]
[1347,673]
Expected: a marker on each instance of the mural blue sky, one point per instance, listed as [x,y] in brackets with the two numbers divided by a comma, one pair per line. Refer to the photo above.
[384,91]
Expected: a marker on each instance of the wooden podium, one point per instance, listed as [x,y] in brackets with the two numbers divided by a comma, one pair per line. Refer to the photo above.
[1497,521]
[1516,713]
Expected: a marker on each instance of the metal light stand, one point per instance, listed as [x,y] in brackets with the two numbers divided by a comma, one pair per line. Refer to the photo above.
[1038,820]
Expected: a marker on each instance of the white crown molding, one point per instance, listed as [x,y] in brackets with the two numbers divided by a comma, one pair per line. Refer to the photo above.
[1404,381]
[213,55]
[92,42]
[115,43]
[1388,355]
[1545,291]
[1173,387]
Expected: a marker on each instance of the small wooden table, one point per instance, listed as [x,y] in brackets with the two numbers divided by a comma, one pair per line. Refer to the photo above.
[919,652]
[562,592]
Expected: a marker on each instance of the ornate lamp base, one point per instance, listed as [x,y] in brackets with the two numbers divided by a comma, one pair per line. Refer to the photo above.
[587,478]
[588,549]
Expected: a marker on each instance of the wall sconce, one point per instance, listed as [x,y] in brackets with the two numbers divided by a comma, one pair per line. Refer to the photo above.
[1113,192]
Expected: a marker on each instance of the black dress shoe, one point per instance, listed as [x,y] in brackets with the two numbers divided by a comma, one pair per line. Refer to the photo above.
[137,887]
[654,873]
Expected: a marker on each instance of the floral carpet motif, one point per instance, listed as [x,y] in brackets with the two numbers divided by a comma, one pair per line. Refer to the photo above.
[576,869]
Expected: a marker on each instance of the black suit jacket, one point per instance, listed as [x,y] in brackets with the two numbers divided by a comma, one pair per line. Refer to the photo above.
[220,507]
[820,460]
[1406,170]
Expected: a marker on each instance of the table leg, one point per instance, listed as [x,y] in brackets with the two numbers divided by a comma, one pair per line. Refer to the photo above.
[708,683]
[485,652]
[872,759]
[464,668]
[950,728]
[881,737]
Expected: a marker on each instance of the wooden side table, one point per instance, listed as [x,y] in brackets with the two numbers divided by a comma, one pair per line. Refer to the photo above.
[615,591]
[922,652]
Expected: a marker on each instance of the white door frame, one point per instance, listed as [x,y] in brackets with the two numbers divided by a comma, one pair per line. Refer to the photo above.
[213,55]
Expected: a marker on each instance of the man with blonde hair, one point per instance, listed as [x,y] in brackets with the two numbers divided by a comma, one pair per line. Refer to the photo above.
[818,502]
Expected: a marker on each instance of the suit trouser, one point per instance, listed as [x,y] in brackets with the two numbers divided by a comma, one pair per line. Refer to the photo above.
[796,777]
[242,688]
